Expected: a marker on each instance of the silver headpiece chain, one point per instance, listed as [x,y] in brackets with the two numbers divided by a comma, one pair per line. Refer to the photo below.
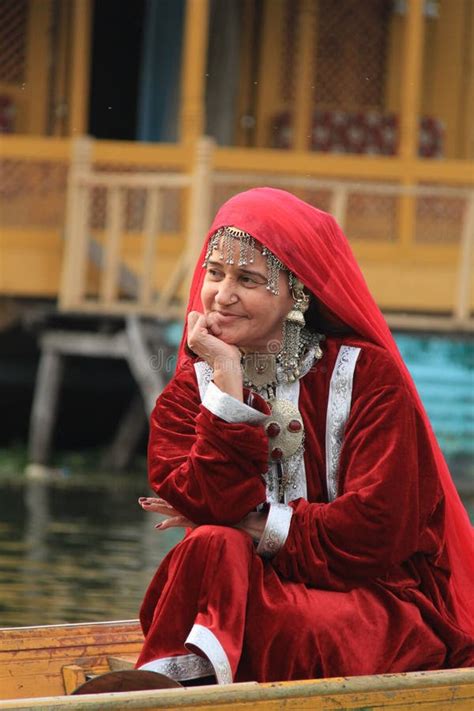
[223,239]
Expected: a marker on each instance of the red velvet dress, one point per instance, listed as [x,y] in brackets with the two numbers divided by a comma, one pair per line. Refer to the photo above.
[361,584]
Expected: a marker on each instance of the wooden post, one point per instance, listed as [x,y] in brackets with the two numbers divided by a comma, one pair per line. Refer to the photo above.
[268,100]
[411,79]
[466,268]
[338,206]
[129,431]
[45,401]
[80,60]
[37,71]
[244,133]
[467,91]
[76,225]
[199,205]
[59,118]
[305,76]
[410,110]
[152,225]
[111,254]
[193,71]
[150,380]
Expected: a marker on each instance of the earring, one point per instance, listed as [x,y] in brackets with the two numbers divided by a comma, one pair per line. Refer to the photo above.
[292,326]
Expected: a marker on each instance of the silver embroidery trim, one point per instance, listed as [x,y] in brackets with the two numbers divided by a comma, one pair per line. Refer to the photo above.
[295,464]
[205,640]
[339,406]
[180,668]
[276,530]
[204,376]
[230,409]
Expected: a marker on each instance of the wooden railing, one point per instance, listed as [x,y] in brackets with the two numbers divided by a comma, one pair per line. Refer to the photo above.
[410,222]
[418,283]
[156,291]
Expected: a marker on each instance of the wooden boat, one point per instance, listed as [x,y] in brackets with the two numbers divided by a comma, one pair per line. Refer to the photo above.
[41,666]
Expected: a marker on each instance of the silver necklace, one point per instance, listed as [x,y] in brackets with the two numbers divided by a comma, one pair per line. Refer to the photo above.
[284,426]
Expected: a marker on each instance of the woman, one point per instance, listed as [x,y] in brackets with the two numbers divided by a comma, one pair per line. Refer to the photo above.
[326,535]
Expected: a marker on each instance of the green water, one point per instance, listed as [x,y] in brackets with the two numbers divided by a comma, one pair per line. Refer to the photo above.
[76,551]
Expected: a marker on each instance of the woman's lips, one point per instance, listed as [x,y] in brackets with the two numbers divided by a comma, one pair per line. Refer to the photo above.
[226,316]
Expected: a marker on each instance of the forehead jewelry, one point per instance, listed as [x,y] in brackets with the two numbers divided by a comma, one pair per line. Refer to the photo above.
[223,240]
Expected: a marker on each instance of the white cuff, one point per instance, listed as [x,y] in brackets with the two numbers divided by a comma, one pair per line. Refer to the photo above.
[207,642]
[276,530]
[230,409]
[181,668]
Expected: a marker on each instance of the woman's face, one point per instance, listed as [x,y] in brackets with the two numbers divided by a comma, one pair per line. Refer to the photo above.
[237,299]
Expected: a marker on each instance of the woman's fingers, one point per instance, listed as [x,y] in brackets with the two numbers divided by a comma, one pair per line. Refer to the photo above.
[213,322]
[156,505]
[153,501]
[175,522]
[197,332]
[193,318]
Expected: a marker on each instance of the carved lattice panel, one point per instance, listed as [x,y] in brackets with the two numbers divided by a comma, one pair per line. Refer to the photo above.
[13,19]
[32,193]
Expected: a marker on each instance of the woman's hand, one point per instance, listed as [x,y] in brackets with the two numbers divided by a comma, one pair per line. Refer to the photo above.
[253,524]
[173,518]
[224,358]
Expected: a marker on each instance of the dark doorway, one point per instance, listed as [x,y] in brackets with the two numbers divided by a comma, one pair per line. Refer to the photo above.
[115,69]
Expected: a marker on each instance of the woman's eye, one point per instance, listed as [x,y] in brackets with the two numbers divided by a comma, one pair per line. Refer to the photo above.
[214,273]
[248,281]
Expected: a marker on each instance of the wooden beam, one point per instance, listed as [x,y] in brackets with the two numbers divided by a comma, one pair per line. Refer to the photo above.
[305,76]
[152,226]
[269,100]
[411,79]
[130,430]
[80,67]
[199,207]
[466,266]
[37,70]
[64,32]
[73,274]
[450,72]
[45,404]
[425,691]
[193,71]
[111,251]
[86,344]
[410,113]
[467,91]
[245,102]
[150,380]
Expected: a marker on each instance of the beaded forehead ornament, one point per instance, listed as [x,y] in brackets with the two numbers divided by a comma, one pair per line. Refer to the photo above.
[223,241]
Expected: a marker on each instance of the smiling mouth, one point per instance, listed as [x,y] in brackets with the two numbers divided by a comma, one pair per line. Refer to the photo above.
[225,315]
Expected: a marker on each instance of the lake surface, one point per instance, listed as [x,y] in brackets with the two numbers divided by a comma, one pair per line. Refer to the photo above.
[72,552]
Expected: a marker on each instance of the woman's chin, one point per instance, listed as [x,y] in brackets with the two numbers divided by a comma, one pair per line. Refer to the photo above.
[229,338]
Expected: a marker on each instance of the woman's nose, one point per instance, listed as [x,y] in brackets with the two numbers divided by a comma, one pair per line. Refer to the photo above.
[225,293]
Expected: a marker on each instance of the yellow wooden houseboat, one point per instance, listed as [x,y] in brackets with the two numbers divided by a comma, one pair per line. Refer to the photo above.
[41,666]
[363,109]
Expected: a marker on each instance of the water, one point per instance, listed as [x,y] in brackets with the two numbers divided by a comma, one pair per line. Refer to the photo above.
[76,552]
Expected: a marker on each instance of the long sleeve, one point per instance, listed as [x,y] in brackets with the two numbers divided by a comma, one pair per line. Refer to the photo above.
[387,491]
[211,470]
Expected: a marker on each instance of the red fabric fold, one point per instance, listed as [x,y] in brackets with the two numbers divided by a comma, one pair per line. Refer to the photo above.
[195,457]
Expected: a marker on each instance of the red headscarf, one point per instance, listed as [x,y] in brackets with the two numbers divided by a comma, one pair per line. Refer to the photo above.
[312,245]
